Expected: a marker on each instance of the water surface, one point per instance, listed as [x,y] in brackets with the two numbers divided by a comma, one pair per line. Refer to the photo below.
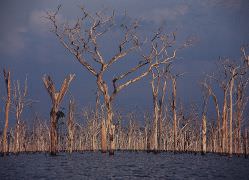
[123,165]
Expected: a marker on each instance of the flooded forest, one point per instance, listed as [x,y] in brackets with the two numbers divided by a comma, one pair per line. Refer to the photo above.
[168,127]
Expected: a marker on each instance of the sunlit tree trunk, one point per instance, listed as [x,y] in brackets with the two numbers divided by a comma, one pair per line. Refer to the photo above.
[231,115]
[239,118]
[218,121]
[70,125]
[155,89]
[7,108]
[204,134]
[174,113]
[224,123]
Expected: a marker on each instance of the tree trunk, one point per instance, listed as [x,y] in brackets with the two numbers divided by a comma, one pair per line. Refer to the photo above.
[174,113]
[17,134]
[56,98]
[70,125]
[160,126]
[231,117]
[204,134]
[103,136]
[108,125]
[53,131]
[218,121]
[224,123]
[155,126]
[110,128]
[7,107]
[239,117]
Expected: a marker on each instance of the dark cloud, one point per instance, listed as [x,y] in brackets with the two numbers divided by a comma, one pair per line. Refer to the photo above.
[27,46]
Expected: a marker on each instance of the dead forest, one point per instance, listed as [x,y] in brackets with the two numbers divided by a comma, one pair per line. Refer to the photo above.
[168,127]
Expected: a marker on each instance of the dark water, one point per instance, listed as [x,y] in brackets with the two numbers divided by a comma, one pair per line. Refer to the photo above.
[124,165]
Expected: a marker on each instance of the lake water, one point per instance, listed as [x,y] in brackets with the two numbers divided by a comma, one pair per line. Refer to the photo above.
[123,165]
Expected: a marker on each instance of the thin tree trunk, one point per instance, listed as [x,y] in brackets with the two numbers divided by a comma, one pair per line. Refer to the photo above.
[155,126]
[218,120]
[204,134]
[231,117]
[70,125]
[103,136]
[53,130]
[239,117]
[7,107]
[17,134]
[224,122]
[174,113]
[160,126]
[160,116]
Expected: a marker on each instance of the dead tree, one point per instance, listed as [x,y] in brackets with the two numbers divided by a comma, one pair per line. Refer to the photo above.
[158,85]
[82,40]
[208,89]
[174,111]
[55,114]
[19,102]
[70,125]
[7,108]
[242,98]
[233,71]
[206,94]
[229,73]
[223,82]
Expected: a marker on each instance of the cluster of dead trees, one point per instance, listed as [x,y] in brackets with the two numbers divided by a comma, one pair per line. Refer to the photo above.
[169,128]
[232,80]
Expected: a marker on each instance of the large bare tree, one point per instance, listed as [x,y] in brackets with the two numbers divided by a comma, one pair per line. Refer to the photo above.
[83,41]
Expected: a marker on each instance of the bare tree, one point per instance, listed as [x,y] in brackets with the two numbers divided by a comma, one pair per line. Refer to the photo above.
[242,97]
[7,108]
[234,73]
[158,84]
[206,95]
[19,102]
[231,73]
[209,91]
[222,78]
[174,112]
[82,40]
[71,125]
[55,114]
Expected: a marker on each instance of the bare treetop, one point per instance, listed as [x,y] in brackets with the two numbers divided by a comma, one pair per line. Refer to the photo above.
[82,40]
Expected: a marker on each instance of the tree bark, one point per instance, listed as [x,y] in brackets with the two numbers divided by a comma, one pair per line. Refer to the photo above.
[7,107]
[70,125]
[239,117]
[174,113]
[218,120]
[231,115]
[224,123]
[53,130]
[204,134]
[103,136]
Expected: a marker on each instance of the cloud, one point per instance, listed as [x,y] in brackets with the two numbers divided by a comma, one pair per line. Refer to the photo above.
[223,3]
[167,13]
[13,42]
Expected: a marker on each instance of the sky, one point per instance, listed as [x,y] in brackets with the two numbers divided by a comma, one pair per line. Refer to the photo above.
[28,48]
